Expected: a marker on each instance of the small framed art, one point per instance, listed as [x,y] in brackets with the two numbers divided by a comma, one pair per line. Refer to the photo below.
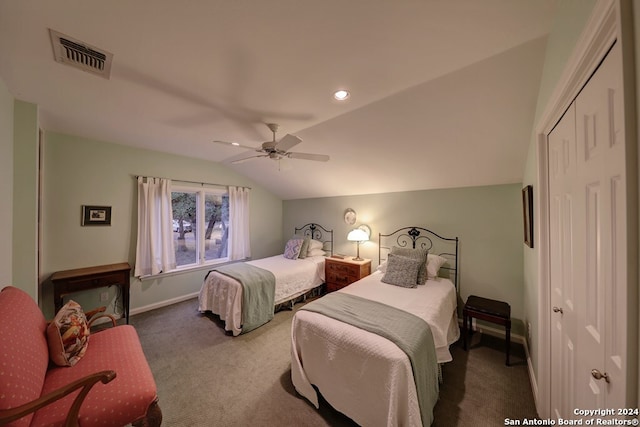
[527,214]
[96,215]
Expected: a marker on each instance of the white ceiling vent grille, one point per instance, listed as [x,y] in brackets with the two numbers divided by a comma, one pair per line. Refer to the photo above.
[78,54]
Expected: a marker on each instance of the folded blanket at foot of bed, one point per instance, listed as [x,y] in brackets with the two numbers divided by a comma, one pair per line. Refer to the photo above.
[409,332]
[258,290]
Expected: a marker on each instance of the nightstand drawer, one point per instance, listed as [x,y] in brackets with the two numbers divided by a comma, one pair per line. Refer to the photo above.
[352,269]
[342,272]
[341,278]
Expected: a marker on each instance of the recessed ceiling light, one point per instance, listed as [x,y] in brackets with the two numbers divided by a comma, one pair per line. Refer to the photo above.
[341,95]
[235,143]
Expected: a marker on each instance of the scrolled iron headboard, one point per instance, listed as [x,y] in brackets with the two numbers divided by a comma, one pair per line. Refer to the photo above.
[317,232]
[422,238]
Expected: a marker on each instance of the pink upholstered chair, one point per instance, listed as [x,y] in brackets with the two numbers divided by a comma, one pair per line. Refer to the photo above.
[111,385]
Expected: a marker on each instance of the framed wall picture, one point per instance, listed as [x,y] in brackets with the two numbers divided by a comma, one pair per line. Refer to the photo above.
[527,214]
[96,215]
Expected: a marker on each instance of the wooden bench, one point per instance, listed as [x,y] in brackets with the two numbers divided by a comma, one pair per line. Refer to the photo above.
[498,312]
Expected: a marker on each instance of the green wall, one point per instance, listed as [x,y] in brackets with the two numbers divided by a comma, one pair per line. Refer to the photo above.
[25,197]
[569,22]
[487,220]
[79,171]
[6,185]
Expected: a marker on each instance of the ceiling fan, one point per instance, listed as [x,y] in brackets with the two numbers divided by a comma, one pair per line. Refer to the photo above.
[276,150]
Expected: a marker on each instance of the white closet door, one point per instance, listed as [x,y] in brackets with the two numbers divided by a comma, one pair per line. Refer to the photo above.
[603,221]
[562,185]
[587,213]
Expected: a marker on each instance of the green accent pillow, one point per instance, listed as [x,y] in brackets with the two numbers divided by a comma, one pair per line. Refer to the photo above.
[305,246]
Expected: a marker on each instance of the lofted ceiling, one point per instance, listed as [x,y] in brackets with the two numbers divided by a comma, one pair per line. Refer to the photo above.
[443,92]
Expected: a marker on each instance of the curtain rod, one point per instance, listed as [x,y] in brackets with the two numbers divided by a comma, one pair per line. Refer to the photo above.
[191,182]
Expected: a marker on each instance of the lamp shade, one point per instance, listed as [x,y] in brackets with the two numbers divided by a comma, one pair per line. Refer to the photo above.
[357,235]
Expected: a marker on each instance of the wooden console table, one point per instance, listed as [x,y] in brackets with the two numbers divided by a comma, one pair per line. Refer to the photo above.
[81,279]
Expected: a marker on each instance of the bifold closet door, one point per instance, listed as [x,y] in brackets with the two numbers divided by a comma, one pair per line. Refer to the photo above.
[601,171]
[587,213]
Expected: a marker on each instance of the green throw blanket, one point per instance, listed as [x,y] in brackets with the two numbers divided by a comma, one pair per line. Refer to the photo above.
[410,333]
[258,293]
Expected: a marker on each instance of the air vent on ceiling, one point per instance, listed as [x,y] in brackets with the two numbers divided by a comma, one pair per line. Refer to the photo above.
[78,54]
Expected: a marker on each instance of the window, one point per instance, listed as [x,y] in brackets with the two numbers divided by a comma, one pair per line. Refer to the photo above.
[182,227]
[200,225]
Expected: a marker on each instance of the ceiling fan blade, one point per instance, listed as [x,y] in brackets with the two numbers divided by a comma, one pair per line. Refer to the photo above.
[241,157]
[235,144]
[288,142]
[238,161]
[307,156]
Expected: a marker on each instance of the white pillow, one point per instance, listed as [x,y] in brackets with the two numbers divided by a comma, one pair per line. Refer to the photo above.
[316,252]
[315,244]
[434,262]
[382,267]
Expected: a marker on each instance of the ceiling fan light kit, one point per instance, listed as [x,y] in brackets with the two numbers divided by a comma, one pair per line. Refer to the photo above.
[276,150]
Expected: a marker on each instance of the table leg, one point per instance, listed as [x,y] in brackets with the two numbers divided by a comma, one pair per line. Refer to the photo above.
[464,329]
[508,339]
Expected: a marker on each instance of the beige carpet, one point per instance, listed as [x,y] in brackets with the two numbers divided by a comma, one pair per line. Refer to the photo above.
[208,378]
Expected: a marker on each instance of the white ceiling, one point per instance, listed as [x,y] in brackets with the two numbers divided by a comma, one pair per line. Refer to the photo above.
[443,91]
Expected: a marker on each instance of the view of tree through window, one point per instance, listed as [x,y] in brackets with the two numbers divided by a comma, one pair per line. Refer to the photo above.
[200,225]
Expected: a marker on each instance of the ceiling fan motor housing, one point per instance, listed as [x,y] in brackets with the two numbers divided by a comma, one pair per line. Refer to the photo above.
[269,145]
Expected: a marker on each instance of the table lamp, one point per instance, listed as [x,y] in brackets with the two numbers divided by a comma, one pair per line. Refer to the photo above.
[357,235]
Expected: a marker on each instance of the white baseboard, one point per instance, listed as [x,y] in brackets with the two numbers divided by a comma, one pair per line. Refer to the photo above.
[162,303]
[494,332]
[532,376]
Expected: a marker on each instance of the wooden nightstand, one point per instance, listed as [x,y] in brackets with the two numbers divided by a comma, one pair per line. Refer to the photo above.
[339,273]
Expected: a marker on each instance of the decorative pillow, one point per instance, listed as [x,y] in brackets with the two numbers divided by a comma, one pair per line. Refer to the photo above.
[292,248]
[316,252]
[68,335]
[419,254]
[305,246]
[402,271]
[434,262]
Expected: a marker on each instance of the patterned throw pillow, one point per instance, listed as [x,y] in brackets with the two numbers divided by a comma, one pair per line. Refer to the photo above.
[292,248]
[419,254]
[402,271]
[68,335]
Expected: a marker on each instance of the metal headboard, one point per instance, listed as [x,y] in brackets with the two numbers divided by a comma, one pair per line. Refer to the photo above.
[315,231]
[421,238]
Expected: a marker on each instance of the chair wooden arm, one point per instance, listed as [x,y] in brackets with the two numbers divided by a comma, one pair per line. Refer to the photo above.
[97,313]
[89,314]
[114,321]
[8,415]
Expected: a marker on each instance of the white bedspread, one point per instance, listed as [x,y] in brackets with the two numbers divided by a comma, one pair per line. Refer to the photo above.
[222,294]
[339,358]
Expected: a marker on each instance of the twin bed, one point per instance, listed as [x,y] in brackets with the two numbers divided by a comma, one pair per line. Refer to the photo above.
[295,279]
[373,349]
[365,374]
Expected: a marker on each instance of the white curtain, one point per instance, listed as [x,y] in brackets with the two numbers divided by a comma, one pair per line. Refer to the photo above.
[239,242]
[155,251]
